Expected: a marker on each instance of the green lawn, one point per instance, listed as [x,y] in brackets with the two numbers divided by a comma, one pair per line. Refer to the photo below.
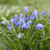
[38,4]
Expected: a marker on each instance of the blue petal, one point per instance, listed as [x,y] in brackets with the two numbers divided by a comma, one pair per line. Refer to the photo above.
[16,17]
[41,37]
[3,22]
[32,17]
[19,35]
[44,13]
[10,27]
[26,9]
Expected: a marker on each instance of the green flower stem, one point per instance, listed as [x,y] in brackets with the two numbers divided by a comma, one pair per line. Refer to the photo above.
[31,37]
[20,44]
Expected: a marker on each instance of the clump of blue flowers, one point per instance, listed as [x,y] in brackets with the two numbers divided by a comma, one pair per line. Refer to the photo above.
[26,31]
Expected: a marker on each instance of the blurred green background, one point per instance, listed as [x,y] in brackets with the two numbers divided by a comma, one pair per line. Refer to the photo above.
[38,4]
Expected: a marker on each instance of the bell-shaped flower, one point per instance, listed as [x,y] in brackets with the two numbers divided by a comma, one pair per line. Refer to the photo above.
[19,36]
[37,41]
[12,20]
[25,25]
[26,9]
[16,23]
[32,17]
[29,21]
[16,17]
[35,12]
[42,37]
[40,26]
[10,27]
[3,22]
[44,13]
[26,17]
[40,14]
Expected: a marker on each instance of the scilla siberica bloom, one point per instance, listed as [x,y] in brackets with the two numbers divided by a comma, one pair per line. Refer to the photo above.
[20,22]
[19,35]
[20,15]
[35,12]
[16,23]
[24,37]
[12,20]
[41,37]
[26,9]
[25,25]
[26,17]
[40,14]
[29,21]
[40,26]
[32,17]
[37,41]
[44,13]
[3,22]
[49,18]
[16,17]
[10,27]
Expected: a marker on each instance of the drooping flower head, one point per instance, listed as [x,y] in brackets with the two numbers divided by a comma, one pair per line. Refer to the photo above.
[20,22]
[40,26]
[25,25]
[26,9]
[12,20]
[20,15]
[16,17]
[32,17]
[3,22]
[24,37]
[41,37]
[16,23]
[35,12]
[29,21]
[26,17]
[49,17]
[37,41]
[10,27]
[44,13]
[40,14]
[19,36]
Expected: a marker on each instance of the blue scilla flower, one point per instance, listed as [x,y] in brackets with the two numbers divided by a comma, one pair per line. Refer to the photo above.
[32,17]
[21,21]
[29,21]
[44,13]
[37,41]
[40,26]
[16,23]
[49,17]
[20,15]
[12,20]
[19,36]
[24,37]
[25,25]
[10,27]
[26,17]
[3,22]
[41,37]
[35,12]
[26,9]
[16,17]
[40,14]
